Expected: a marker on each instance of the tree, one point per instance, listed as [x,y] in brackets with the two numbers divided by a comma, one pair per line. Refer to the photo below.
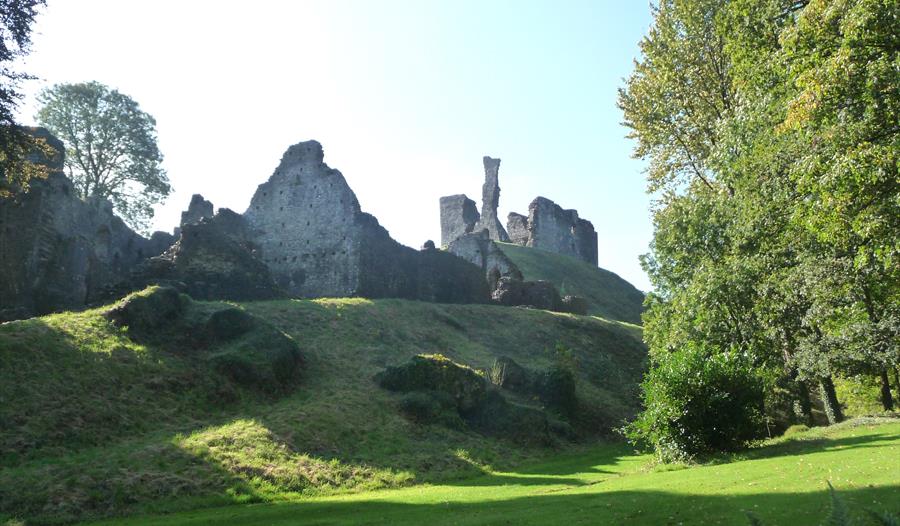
[111,149]
[777,223]
[16,19]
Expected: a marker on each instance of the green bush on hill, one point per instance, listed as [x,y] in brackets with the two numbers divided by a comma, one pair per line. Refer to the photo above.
[697,402]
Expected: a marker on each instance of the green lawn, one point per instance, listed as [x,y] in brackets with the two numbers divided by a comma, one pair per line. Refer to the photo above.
[783,482]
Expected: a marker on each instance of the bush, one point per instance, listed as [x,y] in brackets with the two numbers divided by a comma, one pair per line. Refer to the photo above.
[699,401]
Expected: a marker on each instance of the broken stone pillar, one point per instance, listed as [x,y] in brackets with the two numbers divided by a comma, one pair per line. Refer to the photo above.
[490,200]
[458,217]
[198,209]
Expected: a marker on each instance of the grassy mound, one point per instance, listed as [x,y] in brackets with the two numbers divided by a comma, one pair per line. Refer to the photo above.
[99,420]
[608,295]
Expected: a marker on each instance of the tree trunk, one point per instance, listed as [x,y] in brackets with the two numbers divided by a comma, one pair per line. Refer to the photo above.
[805,402]
[830,401]
[886,400]
[897,381]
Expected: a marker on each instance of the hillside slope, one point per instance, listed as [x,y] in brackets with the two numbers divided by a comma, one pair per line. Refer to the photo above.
[96,423]
[608,295]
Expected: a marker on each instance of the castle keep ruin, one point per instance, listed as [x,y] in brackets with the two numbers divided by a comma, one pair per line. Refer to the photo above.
[547,225]
[317,242]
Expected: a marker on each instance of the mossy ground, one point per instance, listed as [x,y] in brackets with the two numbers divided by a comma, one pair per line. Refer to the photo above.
[95,424]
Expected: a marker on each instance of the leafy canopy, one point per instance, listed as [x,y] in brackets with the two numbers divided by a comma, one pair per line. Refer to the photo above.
[111,147]
[16,19]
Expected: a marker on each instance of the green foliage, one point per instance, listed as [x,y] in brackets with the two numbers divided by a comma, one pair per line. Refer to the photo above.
[111,147]
[15,143]
[699,402]
[770,131]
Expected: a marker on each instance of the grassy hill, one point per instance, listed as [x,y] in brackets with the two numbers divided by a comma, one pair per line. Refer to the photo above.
[96,421]
[783,482]
[608,295]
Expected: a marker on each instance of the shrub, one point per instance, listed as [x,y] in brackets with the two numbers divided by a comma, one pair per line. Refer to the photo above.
[699,401]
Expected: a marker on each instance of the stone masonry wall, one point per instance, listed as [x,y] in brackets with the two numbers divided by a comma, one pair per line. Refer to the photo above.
[315,240]
[458,217]
[550,227]
[58,251]
[305,221]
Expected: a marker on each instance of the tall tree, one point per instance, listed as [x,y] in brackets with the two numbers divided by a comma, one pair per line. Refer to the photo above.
[111,147]
[777,228]
[16,19]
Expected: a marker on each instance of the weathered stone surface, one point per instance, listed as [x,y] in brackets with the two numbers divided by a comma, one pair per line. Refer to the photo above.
[490,200]
[213,259]
[479,249]
[551,228]
[316,241]
[60,252]
[537,294]
[458,217]
[517,228]
[198,209]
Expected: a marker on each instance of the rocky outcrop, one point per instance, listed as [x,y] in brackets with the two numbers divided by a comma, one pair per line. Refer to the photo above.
[478,249]
[458,217]
[550,227]
[213,259]
[60,252]
[537,294]
[316,241]
[490,200]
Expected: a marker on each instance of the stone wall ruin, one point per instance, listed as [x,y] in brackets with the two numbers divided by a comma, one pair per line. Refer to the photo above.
[550,227]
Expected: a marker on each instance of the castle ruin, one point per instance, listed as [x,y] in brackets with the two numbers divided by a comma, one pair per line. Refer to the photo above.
[547,226]
[303,235]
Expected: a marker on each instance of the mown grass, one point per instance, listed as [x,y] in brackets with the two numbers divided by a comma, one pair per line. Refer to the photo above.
[93,424]
[608,295]
[781,482]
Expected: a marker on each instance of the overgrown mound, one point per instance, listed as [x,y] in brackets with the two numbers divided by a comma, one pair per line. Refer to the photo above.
[438,390]
[241,346]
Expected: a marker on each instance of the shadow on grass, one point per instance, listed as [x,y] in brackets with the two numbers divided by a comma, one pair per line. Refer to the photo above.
[596,507]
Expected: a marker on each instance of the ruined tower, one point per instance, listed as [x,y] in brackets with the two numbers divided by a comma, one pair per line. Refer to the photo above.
[490,200]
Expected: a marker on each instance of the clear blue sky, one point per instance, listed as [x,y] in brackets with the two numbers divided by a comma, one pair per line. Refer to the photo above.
[405,96]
